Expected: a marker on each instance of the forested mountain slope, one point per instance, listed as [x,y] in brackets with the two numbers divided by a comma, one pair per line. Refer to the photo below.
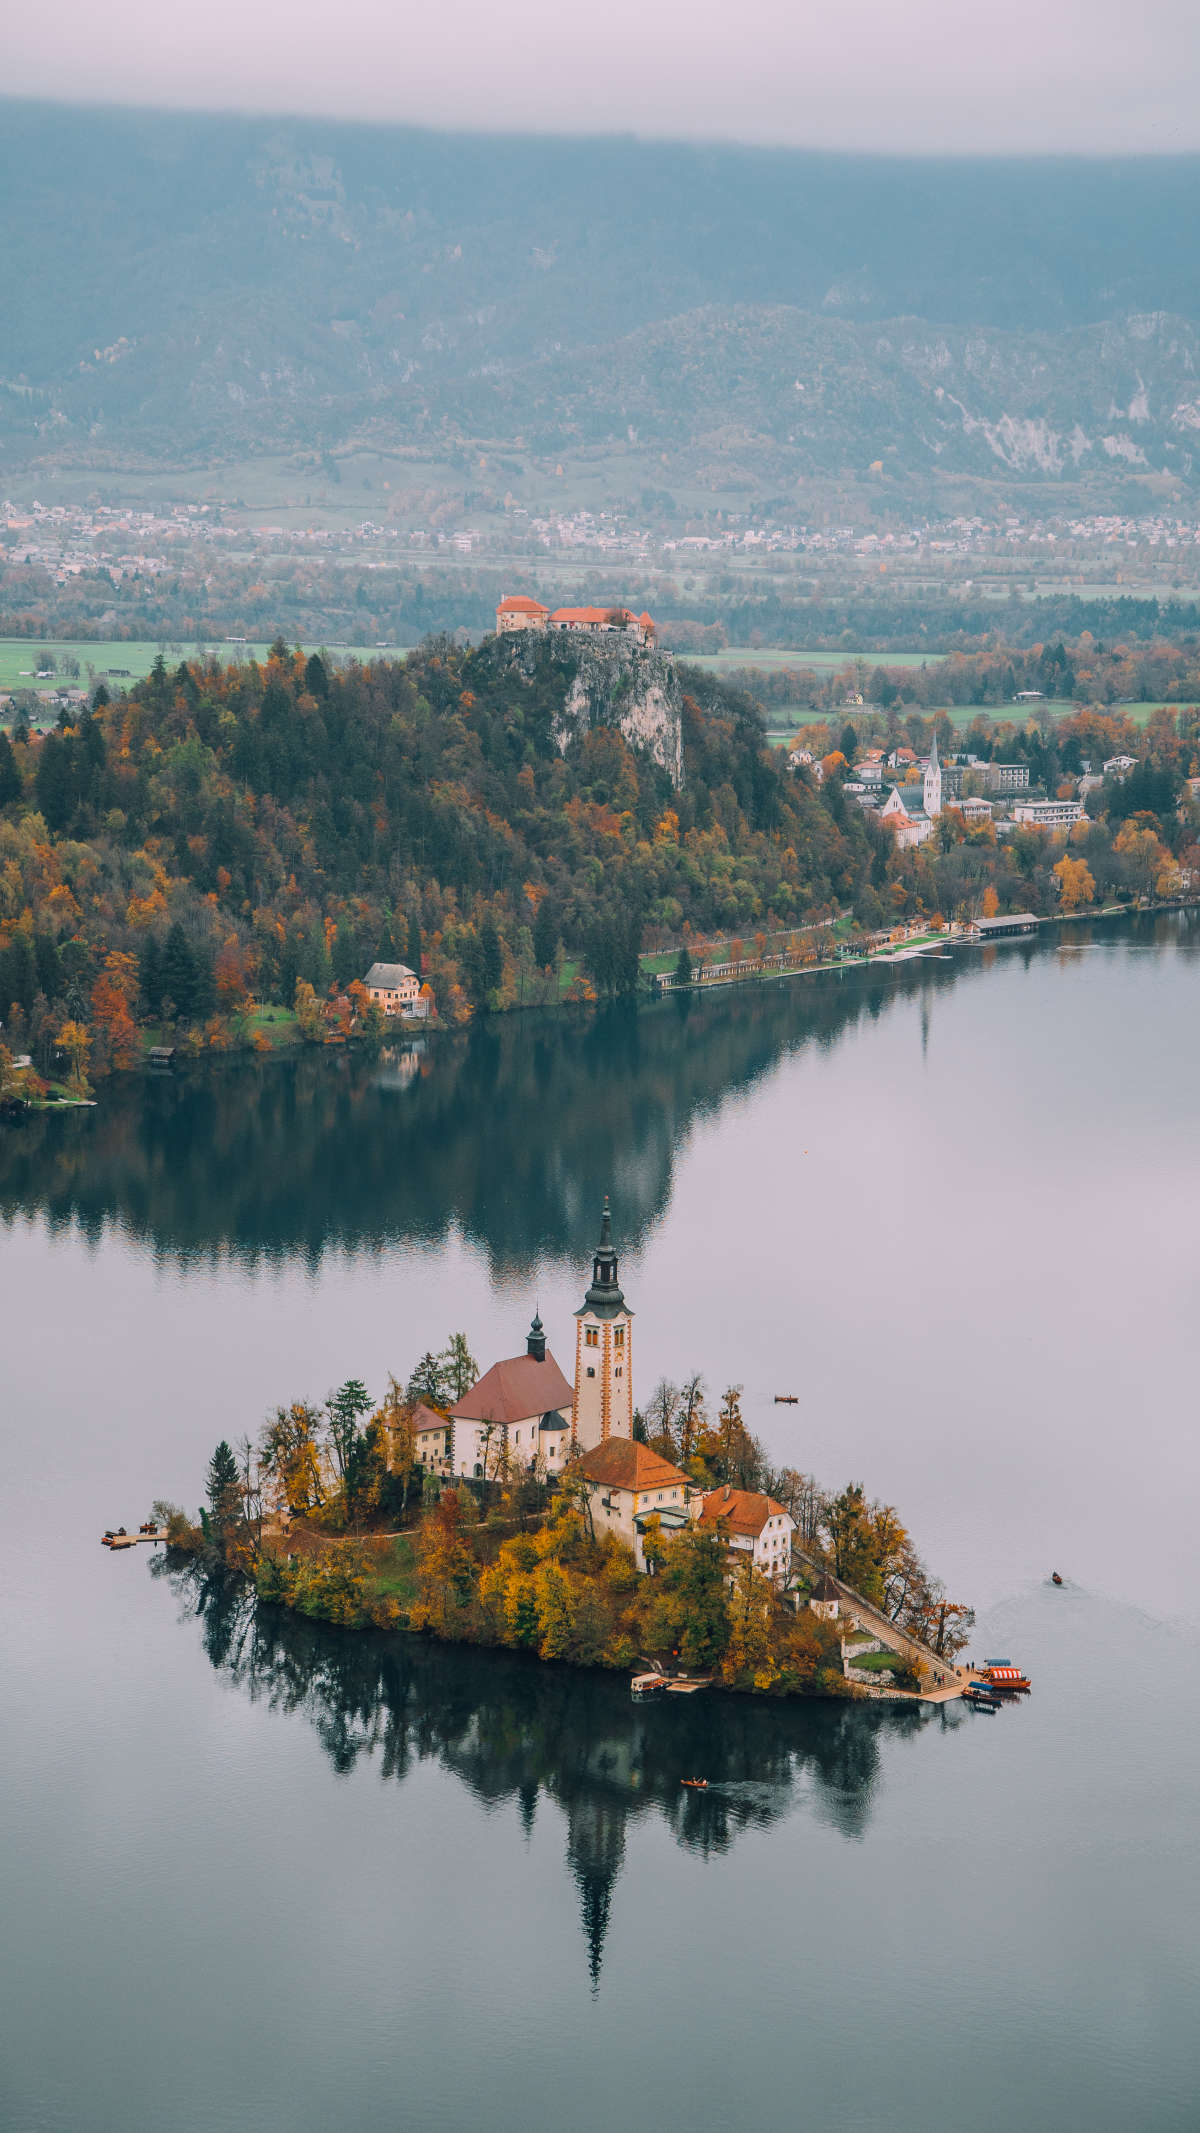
[197,288]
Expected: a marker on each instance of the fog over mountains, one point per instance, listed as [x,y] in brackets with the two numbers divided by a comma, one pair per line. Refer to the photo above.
[695,321]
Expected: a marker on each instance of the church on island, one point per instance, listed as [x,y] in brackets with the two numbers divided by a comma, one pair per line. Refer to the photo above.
[525,1416]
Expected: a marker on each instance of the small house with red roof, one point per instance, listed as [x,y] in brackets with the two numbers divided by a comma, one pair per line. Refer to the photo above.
[629,1486]
[753,1525]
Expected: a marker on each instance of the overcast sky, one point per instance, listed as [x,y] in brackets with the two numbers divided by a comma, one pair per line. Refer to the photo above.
[931,76]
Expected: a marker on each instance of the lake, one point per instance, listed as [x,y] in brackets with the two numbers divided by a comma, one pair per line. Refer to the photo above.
[258,1874]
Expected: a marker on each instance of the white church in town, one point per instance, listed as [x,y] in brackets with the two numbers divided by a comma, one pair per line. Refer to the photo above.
[912,810]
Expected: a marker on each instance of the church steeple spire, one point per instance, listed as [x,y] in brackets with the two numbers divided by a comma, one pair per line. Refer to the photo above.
[603,1351]
[605,1293]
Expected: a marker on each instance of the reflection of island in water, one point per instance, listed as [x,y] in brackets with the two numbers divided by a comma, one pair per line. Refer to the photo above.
[512,1131]
[512,1729]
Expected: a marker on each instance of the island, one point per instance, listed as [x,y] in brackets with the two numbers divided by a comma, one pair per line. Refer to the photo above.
[531,1509]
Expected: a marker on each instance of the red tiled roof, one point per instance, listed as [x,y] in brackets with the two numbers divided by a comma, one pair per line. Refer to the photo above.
[428,1418]
[744,1511]
[620,1464]
[520,604]
[515,1391]
[593,616]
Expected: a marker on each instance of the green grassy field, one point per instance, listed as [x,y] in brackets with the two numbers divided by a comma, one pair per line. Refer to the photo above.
[770,662]
[123,663]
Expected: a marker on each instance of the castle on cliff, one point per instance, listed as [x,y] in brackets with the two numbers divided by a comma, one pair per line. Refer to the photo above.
[518,612]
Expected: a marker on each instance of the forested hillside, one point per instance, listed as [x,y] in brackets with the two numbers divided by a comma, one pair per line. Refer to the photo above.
[228,834]
[235,830]
[201,289]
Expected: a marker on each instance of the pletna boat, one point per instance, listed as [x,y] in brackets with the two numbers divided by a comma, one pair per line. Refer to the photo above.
[695,1784]
[1006,1680]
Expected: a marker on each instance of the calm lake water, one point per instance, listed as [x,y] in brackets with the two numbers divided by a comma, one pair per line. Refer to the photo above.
[256,1875]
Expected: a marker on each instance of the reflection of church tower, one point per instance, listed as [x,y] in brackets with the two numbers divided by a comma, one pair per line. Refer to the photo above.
[933,782]
[603,1352]
[596,1852]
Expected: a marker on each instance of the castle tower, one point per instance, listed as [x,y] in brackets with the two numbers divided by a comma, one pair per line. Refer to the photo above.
[933,783]
[603,1405]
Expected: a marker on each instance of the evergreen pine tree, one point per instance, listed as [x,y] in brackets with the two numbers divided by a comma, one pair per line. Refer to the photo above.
[545,935]
[178,973]
[221,1488]
[54,783]
[491,961]
[18,974]
[413,957]
[10,776]
[49,965]
[150,981]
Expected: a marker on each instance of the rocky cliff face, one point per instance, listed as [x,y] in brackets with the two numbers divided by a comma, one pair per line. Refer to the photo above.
[607,681]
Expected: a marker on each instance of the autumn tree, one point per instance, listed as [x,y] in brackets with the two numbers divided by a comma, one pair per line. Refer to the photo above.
[290,1457]
[1076,884]
[749,1660]
[113,995]
[76,1042]
[689,1619]
[445,1562]
[309,1013]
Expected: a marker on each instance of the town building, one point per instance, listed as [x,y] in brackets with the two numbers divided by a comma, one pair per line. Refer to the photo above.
[754,1526]
[395,988]
[1049,814]
[825,1599]
[1005,777]
[628,1487]
[603,1404]
[1006,926]
[974,809]
[1119,766]
[514,1417]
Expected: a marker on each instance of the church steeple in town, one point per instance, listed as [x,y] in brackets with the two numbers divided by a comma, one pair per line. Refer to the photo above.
[603,1351]
[933,782]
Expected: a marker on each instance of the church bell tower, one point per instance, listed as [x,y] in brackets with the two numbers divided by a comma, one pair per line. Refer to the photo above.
[933,783]
[603,1353]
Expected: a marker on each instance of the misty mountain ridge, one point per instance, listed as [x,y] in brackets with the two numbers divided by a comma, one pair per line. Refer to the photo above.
[198,289]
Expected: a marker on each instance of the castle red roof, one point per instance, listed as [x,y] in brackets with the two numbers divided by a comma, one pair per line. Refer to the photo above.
[520,604]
